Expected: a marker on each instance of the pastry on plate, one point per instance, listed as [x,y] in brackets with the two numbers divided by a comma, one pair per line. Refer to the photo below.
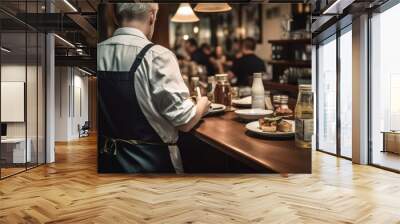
[269,124]
[285,126]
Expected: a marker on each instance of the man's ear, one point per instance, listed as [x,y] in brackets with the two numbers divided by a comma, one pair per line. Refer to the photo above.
[152,18]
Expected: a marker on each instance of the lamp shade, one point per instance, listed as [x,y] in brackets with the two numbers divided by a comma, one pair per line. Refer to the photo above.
[184,14]
[212,7]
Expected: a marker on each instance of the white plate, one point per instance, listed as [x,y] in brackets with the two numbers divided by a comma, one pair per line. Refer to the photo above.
[254,127]
[253,114]
[216,108]
[244,102]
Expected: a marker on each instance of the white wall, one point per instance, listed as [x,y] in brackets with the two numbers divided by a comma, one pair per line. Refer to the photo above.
[33,127]
[272,29]
[17,73]
[71,102]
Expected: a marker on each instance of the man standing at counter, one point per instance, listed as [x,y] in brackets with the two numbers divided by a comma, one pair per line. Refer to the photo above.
[143,101]
[249,63]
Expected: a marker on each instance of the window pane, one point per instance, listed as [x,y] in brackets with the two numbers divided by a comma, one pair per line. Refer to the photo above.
[385,84]
[41,98]
[327,96]
[31,100]
[346,94]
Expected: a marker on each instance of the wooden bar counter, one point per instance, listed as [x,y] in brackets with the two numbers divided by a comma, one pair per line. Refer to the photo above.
[227,134]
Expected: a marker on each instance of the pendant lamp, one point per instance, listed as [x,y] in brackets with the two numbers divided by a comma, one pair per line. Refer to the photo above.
[212,7]
[185,14]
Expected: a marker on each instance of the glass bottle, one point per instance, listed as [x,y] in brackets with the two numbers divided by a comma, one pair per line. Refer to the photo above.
[222,92]
[257,92]
[268,101]
[210,88]
[304,117]
[194,84]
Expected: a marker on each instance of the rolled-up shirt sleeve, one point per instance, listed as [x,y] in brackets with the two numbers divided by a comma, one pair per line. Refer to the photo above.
[170,95]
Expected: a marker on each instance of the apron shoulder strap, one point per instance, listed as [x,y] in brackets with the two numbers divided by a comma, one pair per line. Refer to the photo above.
[139,58]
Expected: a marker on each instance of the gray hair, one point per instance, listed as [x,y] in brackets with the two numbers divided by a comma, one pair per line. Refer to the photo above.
[134,11]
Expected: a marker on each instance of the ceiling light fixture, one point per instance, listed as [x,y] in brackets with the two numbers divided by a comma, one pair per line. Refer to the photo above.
[70,5]
[64,40]
[5,50]
[185,14]
[212,7]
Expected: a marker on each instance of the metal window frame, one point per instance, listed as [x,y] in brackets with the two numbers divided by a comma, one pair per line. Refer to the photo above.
[44,73]
[334,36]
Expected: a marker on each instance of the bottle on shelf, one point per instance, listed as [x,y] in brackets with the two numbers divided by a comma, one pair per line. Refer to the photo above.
[304,119]
[257,92]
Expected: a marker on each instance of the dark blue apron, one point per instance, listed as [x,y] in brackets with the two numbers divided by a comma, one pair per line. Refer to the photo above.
[127,143]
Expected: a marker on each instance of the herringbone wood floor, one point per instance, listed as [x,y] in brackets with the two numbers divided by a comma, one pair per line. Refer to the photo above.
[70,191]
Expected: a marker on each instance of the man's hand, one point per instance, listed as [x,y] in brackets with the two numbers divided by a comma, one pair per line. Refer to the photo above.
[202,107]
[203,104]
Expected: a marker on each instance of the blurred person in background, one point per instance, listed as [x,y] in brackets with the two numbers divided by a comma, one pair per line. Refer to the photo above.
[220,60]
[200,55]
[180,51]
[249,63]
[235,51]
[209,60]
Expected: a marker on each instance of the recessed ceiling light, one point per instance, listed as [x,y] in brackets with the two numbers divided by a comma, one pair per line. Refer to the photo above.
[5,50]
[84,71]
[338,6]
[64,40]
[70,5]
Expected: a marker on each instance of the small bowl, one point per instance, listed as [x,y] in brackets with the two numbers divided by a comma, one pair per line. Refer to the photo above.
[253,114]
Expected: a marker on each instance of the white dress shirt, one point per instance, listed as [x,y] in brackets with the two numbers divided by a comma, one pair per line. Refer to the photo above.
[161,92]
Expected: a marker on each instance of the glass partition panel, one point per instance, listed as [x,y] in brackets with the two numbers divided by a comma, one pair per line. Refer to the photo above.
[22,87]
[346,93]
[14,144]
[41,79]
[32,98]
[327,95]
[385,89]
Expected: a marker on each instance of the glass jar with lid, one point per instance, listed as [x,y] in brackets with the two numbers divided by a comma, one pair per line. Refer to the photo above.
[222,92]
[276,99]
[304,118]
[283,110]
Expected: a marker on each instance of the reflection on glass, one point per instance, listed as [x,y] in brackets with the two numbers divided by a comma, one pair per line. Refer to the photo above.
[346,94]
[385,84]
[31,100]
[41,98]
[327,96]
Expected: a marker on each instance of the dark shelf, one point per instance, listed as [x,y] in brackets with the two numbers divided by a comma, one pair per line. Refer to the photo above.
[292,88]
[290,63]
[290,41]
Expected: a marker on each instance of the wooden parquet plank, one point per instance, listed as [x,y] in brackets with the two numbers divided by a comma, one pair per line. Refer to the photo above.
[70,191]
